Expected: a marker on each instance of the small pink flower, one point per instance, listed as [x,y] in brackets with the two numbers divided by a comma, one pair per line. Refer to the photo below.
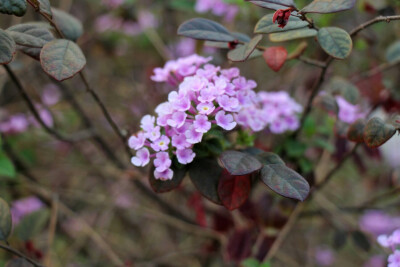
[201,124]
[177,119]
[228,103]
[192,136]
[179,141]
[165,175]
[225,121]
[185,156]
[160,144]
[162,161]
[205,108]
[142,158]
[153,134]
[137,142]
[147,123]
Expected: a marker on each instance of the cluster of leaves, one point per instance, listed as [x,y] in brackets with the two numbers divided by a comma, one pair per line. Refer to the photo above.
[228,180]
[334,41]
[60,58]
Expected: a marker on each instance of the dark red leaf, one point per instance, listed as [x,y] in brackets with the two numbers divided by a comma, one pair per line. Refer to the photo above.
[240,244]
[195,202]
[275,57]
[233,190]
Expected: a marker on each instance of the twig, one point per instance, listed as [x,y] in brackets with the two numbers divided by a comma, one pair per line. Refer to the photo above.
[52,227]
[312,62]
[381,68]
[20,254]
[365,25]
[32,107]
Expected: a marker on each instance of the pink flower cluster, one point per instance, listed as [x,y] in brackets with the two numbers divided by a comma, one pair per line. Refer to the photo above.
[391,241]
[218,8]
[348,112]
[20,122]
[207,95]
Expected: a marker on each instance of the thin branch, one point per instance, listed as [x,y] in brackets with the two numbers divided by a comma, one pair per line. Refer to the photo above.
[21,255]
[381,68]
[312,62]
[365,25]
[32,107]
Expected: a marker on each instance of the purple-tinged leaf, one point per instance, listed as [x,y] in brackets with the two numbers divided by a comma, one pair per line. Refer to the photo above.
[377,132]
[356,131]
[62,59]
[328,6]
[205,175]
[241,53]
[341,128]
[285,181]
[7,48]
[268,158]
[239,163]
[205,29]
[233,190]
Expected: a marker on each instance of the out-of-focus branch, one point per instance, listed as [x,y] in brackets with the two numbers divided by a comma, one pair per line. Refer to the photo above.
[381,68]
[365,25]
[21,255]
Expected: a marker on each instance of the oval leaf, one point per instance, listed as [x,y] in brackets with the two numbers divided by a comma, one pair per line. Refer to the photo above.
[344,88]
[32,224]
[356,131]
[241,53]
[239,163]
[62,59]
[265,24]
[335,42]
[328,103]
[233,190]
[285,181]
[159,186]
[328,6]
[393,52]
[377,132]
[70,26]
[205,29]
[13,7]
[268,158]
[45,7]
[5,220]
[275,57]
[273,4]
[6,166]
[31,37]
[205,175]
[361,240]
[7,47]
[292,35]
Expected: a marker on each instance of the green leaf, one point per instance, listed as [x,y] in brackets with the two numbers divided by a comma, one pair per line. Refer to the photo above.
[239,163]
[339,239]
[356,131]
[292,35]
[31,37]
[159,186]
[62,59]
[273,4]
[241,37]
[265,25]
[7,47]
[268,158]
[70,26]
[6,166]
[205,29]
[344,88]
[32,224]
[335,42]
[393,52]
[328,6]
[377,132]
[285,181]
[361,240]
[45,7]
[13,7]
[205,174]
[5,220]
[20,262]
[242,52]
